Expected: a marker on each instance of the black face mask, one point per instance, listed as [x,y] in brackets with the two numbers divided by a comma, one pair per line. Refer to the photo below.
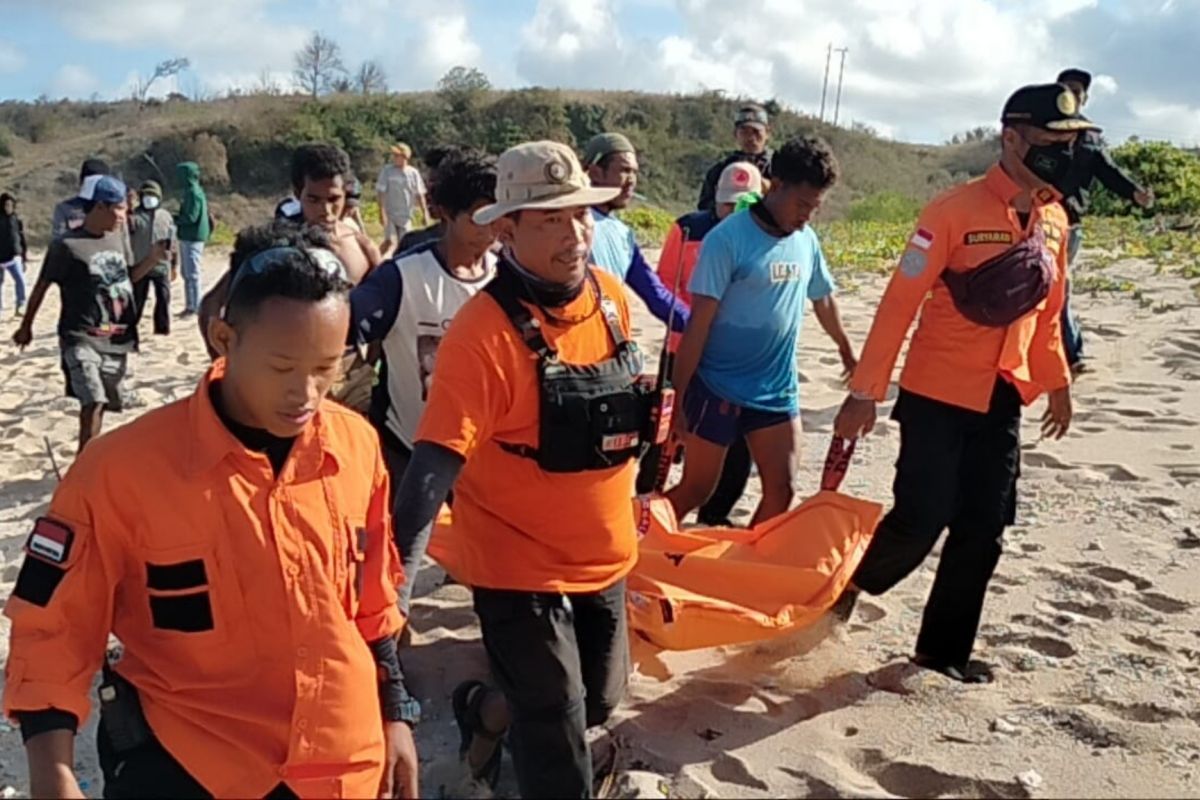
[541,291]
[1050,162]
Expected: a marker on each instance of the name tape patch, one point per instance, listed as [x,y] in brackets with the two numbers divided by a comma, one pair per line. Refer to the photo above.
[988,237]
[50,541]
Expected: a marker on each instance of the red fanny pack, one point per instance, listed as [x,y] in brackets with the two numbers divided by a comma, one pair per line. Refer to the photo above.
[1006,287]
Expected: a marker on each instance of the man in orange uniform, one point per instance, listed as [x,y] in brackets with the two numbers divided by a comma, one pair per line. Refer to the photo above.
[244,562]
[537,409]
[977,356]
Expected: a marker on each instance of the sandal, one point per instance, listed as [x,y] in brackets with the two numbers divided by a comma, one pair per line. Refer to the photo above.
[466,700]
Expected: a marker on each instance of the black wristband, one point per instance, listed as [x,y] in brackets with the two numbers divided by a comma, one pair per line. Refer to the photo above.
[394,700]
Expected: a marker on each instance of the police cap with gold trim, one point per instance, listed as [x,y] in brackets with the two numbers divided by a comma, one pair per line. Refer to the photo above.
[1050,106]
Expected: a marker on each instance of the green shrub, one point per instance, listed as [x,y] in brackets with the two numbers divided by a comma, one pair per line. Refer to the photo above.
[5,144]
[884,207]
[650,225]
[1173,174]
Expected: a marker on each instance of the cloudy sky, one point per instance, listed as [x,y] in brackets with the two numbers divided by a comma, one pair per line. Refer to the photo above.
[918,70]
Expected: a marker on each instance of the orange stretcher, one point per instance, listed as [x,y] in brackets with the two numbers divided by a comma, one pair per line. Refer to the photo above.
[708,587]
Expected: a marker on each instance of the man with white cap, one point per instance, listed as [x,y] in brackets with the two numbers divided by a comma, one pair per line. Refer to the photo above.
[740,185]
[611,161]
[537,406]
[400,190]
[97,325]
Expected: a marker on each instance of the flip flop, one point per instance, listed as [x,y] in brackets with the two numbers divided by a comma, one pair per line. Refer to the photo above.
[466,700]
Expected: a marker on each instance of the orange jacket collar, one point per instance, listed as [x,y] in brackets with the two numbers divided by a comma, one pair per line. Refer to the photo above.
[1004,187]
[212,442]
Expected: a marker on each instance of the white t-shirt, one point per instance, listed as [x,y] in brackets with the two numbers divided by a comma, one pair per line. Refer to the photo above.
[429,298]
[403,187]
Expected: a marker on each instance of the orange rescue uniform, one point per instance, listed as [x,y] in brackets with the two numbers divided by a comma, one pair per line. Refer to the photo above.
[950,358]
[245,602]
[515,526]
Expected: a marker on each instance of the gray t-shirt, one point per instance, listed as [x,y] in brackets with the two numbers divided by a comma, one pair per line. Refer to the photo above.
[403,186]
[147,227]
[92,273]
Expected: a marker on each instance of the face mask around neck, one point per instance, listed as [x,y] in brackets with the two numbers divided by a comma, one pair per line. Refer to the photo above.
[546,293]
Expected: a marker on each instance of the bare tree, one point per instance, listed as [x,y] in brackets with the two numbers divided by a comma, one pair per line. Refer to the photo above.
[318,65]
[165,69]
[370,78]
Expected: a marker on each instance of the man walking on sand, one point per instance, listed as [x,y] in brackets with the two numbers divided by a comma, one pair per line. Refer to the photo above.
[194,228]
[68,215]
[976,358]
[401,190]
[148,224]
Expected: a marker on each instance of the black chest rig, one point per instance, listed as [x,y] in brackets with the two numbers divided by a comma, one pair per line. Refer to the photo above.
[590,416]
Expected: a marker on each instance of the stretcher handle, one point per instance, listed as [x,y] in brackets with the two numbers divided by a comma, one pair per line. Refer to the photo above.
[837,462]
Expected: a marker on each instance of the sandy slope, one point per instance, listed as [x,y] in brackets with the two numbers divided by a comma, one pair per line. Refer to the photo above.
[1091,617]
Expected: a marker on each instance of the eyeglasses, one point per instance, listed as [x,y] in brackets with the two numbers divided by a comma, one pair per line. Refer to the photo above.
[276,257]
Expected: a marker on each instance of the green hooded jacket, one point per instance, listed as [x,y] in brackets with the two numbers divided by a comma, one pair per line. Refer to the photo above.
[192,221]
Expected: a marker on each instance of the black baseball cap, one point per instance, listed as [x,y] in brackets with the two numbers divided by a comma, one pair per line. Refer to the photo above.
[1076,75]
[1050,106]
[94,166]
[752,114]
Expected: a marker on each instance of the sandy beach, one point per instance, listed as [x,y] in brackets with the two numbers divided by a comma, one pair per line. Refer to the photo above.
[1092,617]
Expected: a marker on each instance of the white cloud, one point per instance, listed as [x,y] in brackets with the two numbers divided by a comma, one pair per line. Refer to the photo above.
[11,59]
[73,80]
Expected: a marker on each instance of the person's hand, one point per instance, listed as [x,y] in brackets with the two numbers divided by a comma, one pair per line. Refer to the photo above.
[54,781]
[23,336]
[174,273]
[856,418]
[849,362]
[1144,198]
[402,768]
[1057,419]
[159,251]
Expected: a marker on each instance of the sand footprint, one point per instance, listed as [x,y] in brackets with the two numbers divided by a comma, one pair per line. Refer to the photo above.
[906,779]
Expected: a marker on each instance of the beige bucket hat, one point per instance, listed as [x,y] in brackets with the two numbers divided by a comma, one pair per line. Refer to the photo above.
[540,176]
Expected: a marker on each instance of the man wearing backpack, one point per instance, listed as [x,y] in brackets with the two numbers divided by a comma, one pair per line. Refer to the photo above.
[976,358]
[194,225]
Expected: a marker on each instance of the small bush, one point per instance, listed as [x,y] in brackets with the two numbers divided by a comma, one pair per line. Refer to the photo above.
[1173,174]
[884,207]
[650,225]
[5,144]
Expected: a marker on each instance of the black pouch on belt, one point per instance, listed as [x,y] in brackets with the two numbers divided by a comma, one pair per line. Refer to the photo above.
[121,713]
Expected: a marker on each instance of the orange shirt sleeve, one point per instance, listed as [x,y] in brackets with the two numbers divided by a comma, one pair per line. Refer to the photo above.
[919,269]
[378,615]
[61,611]
[1047,355]
[469,394]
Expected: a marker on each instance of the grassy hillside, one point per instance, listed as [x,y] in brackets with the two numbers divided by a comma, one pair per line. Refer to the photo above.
[243,143]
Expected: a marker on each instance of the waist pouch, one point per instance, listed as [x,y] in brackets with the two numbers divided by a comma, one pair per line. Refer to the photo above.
[1006,287]
[590,416]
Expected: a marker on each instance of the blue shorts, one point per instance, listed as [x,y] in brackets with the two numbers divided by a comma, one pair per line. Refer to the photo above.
[722,422]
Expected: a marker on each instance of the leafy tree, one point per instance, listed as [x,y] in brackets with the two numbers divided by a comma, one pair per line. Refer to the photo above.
[318,65]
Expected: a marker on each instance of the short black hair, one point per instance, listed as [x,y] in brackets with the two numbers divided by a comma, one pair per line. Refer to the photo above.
[461,181]
[434,156]
[318,162]
[4,198]
[296,278]
[805,159]
[1075,75]
[93,166]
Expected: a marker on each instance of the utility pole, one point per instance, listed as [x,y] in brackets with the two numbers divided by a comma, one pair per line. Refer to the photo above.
[825,85]
[841,73]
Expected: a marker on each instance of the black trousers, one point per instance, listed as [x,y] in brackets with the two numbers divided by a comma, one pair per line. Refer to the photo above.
[562,662]
[958,469]
[162,300]
[148,771]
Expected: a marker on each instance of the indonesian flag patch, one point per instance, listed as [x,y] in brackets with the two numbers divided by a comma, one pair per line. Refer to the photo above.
[50,541]
[922,239]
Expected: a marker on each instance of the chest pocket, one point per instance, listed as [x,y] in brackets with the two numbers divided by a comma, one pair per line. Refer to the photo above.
[192,614]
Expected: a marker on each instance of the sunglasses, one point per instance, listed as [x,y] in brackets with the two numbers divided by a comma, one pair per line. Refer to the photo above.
[280,257]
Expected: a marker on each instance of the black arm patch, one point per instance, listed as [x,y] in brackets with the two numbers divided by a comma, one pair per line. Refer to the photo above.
[171,577]
[190,613]
[38,580]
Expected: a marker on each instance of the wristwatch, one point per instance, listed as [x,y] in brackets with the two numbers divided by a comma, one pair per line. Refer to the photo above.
[407,710]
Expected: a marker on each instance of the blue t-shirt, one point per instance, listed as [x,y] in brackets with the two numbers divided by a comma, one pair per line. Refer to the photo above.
[761,283]
[613,244]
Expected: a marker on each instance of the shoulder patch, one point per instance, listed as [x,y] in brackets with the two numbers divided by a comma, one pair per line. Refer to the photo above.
[913,263]
[988,237]
[50,541]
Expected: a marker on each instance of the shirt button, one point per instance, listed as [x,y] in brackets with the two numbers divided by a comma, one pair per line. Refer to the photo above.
[282,772]
[301,724]
[294,571]
[302,652]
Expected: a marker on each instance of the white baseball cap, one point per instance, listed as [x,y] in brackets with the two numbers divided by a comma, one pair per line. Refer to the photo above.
[738,180]
[540,176]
